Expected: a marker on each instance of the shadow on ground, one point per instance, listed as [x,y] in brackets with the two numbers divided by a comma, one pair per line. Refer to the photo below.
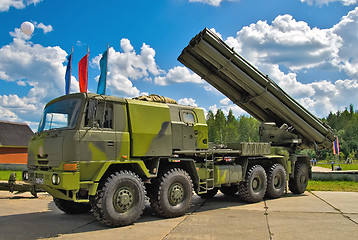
[51,222]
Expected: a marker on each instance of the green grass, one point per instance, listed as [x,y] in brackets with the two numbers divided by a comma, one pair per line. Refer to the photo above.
[352,166]
[342,186]
[4,175]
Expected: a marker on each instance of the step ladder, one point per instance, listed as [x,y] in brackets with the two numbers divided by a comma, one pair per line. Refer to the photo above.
[207,184]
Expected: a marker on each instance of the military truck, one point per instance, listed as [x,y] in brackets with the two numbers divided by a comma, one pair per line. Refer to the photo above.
[107,154]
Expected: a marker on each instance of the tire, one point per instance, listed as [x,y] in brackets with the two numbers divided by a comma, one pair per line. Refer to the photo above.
[210,194]
[120,200]
[254,187]
[71,207]
[276,181]
[230,190]
[298,183]
[171,193]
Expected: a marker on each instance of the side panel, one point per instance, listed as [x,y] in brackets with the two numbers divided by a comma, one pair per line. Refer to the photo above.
[224,174]
[151,133]
[201,129]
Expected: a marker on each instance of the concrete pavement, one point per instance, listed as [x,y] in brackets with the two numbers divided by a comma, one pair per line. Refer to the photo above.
[317,215]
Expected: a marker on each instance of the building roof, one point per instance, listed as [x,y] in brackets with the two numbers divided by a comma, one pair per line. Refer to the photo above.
[14,134]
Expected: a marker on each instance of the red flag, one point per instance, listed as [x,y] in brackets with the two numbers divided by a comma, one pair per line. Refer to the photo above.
[83,73]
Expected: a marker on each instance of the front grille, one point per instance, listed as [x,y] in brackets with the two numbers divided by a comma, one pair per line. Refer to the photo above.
[42,162]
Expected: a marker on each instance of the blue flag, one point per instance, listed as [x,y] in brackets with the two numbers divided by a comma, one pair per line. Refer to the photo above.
[101,89]
[68,74]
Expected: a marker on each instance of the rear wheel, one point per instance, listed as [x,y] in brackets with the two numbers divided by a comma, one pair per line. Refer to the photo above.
[171,193]
[230,190]
[71,207]
[276,181]
[298,183]
[120,201]
[254,187]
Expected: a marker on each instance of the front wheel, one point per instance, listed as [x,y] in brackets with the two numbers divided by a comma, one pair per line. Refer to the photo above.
[254,187]
[299,182]
[71,207]
[120,201]
[171,193]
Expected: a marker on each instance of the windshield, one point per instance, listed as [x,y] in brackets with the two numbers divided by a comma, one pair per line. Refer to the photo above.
[62,114]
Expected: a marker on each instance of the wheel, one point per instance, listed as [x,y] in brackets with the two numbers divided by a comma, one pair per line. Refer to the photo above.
[120,200]
[211,193]
[230,190]
[254,187]
[298,183]
[276,181]
[171,193]
[71,207]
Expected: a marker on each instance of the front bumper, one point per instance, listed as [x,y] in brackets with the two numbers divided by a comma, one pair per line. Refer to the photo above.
[64,185]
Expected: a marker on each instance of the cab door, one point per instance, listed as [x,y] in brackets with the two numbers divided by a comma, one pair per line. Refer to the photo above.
[98,140]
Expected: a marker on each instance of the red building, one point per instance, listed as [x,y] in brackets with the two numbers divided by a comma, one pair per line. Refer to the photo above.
[14,139]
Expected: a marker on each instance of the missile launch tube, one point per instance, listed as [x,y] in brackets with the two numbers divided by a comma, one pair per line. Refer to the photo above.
[213,60]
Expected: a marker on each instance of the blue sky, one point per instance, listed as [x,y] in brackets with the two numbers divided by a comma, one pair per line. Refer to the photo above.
[307,46]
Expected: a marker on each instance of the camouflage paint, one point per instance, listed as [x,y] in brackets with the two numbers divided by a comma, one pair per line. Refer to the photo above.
[201,129]
[150,129]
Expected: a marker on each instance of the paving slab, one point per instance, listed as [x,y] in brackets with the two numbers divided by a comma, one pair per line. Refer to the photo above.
[353,217]
[346,202]
[321,215]
[222,224]
[25,200]
[220,201]
[305,202]
[298,225]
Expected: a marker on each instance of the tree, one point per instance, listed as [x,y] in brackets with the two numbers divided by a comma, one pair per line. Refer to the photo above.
[231,134]
[248,129]
[210,121]
[220,126]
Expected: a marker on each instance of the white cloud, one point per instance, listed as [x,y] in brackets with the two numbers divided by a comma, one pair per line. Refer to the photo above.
[286,41]
[45,28]
[178,75]
[226,104]
[187,101]
[326,2]
[347,29]
[225,101]
[213,108]
[33,66]
[296,47]
[127,66]
[18,4]
[215,3]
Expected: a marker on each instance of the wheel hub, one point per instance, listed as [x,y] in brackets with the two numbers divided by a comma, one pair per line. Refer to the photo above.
[256,184]
[123,199]
[276,181]
[176,194]
[303,179]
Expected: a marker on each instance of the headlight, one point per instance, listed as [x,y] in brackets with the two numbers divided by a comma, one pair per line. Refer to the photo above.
[25,175]
[55,179]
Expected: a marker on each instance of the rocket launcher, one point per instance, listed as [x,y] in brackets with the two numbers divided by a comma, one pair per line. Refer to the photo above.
[284,120]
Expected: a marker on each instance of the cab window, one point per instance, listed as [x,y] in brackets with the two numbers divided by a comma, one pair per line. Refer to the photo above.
[188,117]
[99,114]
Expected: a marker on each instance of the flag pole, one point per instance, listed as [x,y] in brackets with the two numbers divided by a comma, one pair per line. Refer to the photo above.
[69,88]
[68,72]
[87,68]
[105,89]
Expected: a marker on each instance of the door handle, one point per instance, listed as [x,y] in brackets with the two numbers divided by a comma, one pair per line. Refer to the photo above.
[110,144]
